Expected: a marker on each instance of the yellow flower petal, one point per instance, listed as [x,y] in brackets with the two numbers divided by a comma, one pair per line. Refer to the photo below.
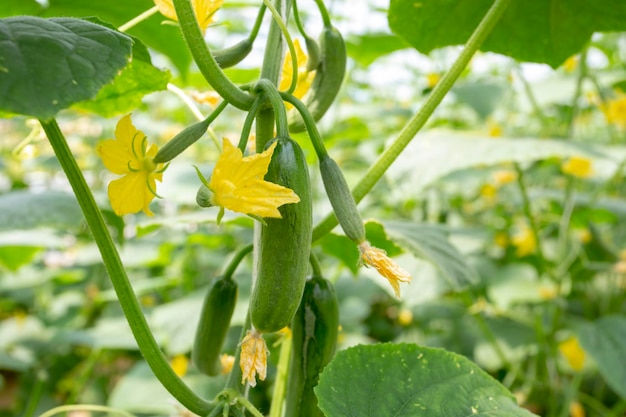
[573,353]
[180,364]
[578,166]
[305,78]
[384,265]
[204,10]
[253,359]
[524,242]
[237,184]
[130,194]
[129,155]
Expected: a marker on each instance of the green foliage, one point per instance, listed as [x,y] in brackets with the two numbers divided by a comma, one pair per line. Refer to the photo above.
[49,64]
[536,31]
[401,379]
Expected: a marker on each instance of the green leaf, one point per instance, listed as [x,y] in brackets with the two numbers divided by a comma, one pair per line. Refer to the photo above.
[482,96]
[46,65]
[343,249]
[605,341]
[27,210]
[376,235]
[410,380]
[432,156]
[166,39]
[19,7]
[125,93]
[15,256]
[431,243]
[545,31]
[367,48]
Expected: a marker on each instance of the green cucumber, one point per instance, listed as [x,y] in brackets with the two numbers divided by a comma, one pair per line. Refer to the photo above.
[285,243]
[328,78]
[233,55]
[341,200]
[314,329]
[217,312]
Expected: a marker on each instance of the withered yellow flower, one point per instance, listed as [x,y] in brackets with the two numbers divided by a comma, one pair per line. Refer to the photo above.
[305,78]
[253,358]
[385,266]
[226,361]
[237,184]
[129,155]
[577,166]
[573,353]
[204,10]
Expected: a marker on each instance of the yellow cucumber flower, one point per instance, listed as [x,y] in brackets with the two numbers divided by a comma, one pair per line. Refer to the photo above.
[305,78]
[385,266]
[577,166]
[253,358]
[129,155]
[204,10]
[237,184]
[573,353]
[180,364]
[524,241]
[615,110]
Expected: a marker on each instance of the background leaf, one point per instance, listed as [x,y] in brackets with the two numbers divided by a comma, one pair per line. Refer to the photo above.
[431,243]
[545,31]
[605,340]
[410,380]
[28,210]
[46,65]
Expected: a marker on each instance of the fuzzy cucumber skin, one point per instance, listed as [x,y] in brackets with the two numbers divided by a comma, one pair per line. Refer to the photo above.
[231,56]
[212,329]
[328,78]
[285,244]
[314,330]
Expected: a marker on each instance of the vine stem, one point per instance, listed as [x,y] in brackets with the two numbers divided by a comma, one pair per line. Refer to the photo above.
[292,50]
[418,121]
[204,59]
[138,19]
[110,256]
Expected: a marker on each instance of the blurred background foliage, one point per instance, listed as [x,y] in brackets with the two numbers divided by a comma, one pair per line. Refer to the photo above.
[512,200]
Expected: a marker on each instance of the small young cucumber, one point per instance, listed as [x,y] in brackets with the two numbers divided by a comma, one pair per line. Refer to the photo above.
[328,78]
[314,329]
[341,200]
[285,243]
[217,311]
[233,55]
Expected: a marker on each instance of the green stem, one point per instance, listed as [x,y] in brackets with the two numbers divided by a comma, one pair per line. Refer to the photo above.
[257,23]
[181,142]
[531,96]
[35,395]
[309,123]
[582,73]
[138,19]
[282,373]
[234,379]
[315,265]
[534,228]
[414,125]
[324,12]
[204,59]
[282,126]
[130,306]
[292,50]
[247,124]
[229,271]
[85,407]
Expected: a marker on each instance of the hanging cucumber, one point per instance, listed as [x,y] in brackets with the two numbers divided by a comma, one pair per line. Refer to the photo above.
[233,55]
[285,243]
[328,78]
[314,329]
[217,312]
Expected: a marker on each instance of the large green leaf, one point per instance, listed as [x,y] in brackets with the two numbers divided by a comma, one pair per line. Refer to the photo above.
[46,65]
[434,155]
[27,210]
[431,243]
[605,340]
[19,7]
[410,380]
[163,38]
[546,31]
[368,47]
